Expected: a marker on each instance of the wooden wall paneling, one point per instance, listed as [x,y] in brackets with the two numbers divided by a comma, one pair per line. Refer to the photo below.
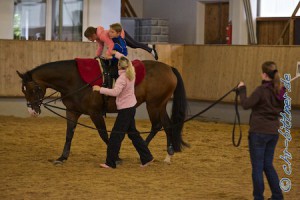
[289,66]
[139,54]
[228,80]
[193,71]
[177,57]
[208,71]
[269,30]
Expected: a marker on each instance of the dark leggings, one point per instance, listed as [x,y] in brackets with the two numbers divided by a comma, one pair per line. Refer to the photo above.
[134,44]
[125,123]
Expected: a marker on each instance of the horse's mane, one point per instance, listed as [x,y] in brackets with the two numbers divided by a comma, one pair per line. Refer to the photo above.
[28,74]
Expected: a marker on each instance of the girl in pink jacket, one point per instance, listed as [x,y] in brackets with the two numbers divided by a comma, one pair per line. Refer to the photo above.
[125,122]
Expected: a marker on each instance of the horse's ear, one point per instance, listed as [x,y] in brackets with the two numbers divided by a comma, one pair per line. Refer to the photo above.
[21,75]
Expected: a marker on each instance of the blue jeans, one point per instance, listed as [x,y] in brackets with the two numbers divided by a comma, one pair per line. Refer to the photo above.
[262,147]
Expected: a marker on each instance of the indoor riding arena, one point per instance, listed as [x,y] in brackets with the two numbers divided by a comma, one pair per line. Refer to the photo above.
[205,47]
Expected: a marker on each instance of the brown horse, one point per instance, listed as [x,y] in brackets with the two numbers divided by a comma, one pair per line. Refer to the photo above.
[160,83]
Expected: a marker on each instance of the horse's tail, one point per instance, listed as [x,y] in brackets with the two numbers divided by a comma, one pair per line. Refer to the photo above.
[179,111]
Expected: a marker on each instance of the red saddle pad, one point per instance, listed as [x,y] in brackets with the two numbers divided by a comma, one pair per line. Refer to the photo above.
[89,70]
[140,71]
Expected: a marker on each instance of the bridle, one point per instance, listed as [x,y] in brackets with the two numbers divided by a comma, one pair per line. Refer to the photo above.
[37,93]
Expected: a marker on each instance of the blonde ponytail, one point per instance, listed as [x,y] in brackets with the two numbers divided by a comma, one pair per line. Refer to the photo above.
[125,63]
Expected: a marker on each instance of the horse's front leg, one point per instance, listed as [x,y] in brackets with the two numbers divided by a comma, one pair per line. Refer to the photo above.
[71,125]
[100,125]
[99,122]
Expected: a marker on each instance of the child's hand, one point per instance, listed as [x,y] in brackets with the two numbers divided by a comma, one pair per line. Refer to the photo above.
[241,84]
[108,57]
[96,88]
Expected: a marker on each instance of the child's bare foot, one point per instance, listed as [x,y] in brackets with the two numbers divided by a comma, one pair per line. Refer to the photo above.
[105,166]
[148,163]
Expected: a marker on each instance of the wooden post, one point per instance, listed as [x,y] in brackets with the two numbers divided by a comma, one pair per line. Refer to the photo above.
[123,8]
[291,32]
[288,23]
[60,17]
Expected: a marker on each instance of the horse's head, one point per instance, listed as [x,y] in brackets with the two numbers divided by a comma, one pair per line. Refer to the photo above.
[33,92]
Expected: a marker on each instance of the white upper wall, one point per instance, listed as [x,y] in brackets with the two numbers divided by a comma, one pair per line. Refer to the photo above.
[100,13]
[103,12]
[7,19]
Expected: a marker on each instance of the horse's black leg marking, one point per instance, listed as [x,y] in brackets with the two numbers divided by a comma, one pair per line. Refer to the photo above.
[166,121]
[71,125]
[100,125]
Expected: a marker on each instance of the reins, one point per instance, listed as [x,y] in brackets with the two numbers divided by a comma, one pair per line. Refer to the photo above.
[236,120]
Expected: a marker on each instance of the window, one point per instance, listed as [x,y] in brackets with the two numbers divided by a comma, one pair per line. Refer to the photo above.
[67,20]
[277,8]
[29,19]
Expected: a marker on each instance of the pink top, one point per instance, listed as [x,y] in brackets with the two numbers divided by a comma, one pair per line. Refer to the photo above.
[103,38]
[123,90]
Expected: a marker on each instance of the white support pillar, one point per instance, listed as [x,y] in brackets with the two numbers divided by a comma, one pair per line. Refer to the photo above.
[7,19]
[254,13]
[200,23]
[48,33]
[239,25]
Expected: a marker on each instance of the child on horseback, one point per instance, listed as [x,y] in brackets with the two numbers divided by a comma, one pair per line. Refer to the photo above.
[101,37]
[115,33]
[266,103]
[125,101]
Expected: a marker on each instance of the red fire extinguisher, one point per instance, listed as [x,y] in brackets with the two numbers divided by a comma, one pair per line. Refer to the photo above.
[229,33]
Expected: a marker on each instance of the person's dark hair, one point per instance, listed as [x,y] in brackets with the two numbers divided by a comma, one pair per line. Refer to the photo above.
[270,68]
[90,31]
[117,27]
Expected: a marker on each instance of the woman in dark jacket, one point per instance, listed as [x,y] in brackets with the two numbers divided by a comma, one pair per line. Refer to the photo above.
[266,103]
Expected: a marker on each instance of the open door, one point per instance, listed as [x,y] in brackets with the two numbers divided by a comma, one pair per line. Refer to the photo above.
[216,20]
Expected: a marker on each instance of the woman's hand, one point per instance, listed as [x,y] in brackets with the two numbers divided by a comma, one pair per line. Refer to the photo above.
[96,88]
[241,84]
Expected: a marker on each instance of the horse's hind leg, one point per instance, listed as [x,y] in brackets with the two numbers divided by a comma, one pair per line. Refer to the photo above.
[71,125]
[159,118]
[155,122]
[166,122]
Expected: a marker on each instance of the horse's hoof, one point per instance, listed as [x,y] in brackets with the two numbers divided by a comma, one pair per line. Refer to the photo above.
[170,150]
[119,161]
[57,162]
